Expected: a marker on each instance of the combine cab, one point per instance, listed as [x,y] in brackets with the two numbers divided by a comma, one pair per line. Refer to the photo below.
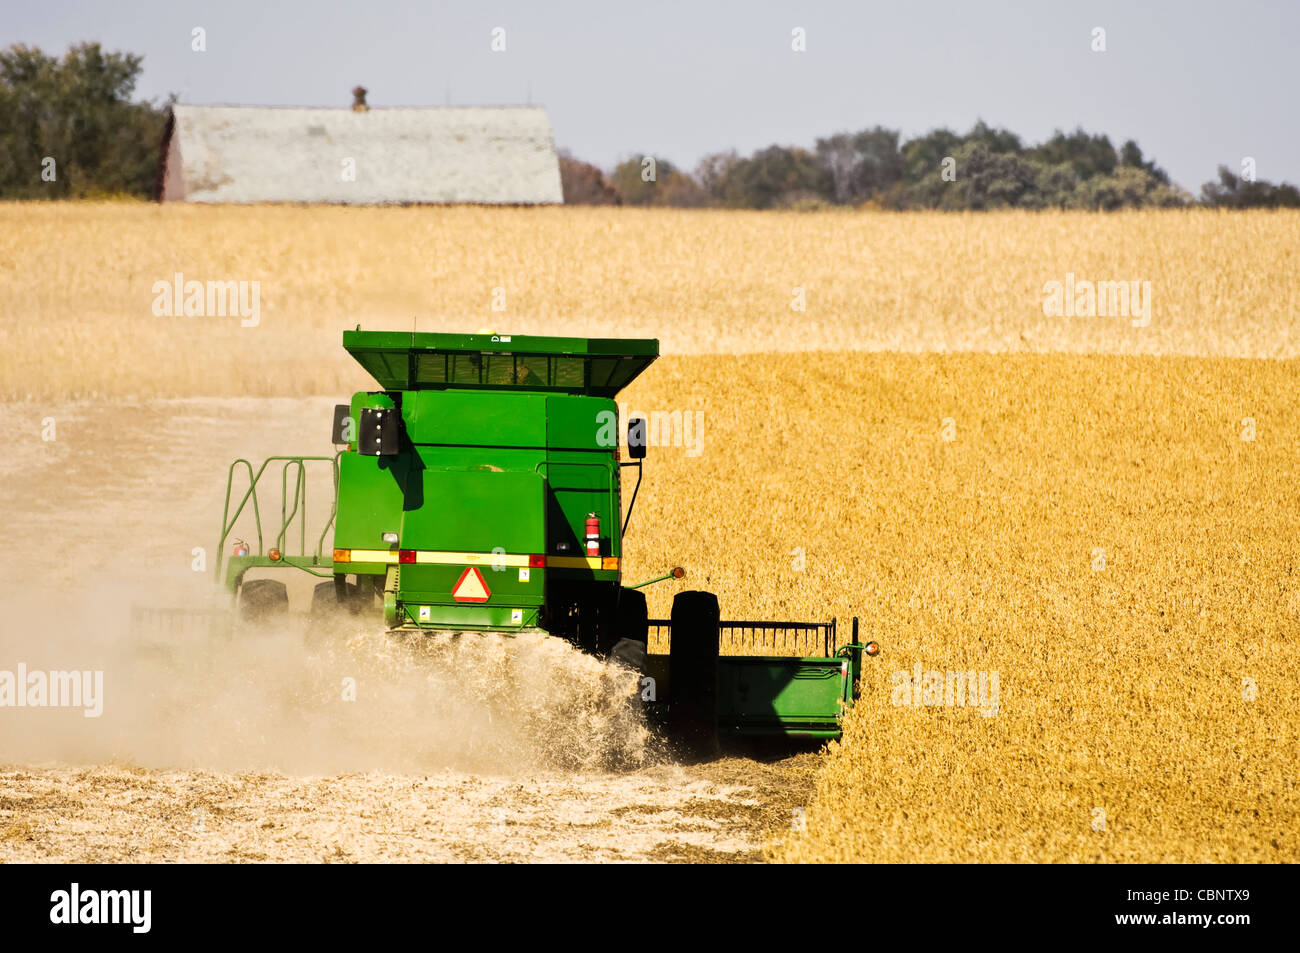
[479,490]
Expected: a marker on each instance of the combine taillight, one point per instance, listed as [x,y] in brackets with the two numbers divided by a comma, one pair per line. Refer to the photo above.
[406,555]
[536,562]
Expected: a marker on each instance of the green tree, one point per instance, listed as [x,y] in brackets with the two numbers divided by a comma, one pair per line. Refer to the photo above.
[77,112]
[712,169]
[923,155]
[1056,186]
[774,177]
[860,165]
[1131,155]
[996,141]
[1232,191]
[986,179]
[1129,187]
[640,179]
[1088,155]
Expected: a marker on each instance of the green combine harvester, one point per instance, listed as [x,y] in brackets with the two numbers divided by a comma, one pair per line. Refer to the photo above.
[479,490]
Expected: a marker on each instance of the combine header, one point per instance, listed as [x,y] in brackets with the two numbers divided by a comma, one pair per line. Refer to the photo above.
[479,490]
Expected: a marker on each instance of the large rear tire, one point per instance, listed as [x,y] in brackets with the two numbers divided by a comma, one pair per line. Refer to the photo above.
[326,600]
[631,630]
[332,603]
[693,673]
[262,601]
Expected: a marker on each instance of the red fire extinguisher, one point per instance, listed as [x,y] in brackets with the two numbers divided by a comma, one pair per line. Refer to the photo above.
[593,534]
[241,548]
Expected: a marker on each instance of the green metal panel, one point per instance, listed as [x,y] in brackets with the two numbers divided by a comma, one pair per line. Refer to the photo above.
[477,511]
[372,495]
[582,423]
[434,583]
[473,512]
[475,419]
[762,694]
[458,617]
[577,489]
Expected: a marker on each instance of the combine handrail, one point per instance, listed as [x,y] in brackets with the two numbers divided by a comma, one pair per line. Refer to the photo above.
[286,515]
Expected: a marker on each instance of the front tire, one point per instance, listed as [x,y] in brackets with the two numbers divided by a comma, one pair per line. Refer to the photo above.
[693,673]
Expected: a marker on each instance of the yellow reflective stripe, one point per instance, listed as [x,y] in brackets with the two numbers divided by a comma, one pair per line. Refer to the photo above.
[374,556]
[472,559]
[482,559]
[578,562]
[442,559]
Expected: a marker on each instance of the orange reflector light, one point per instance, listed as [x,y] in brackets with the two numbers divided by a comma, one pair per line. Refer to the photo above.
[609,562]
[406,555]
[536,562]
[872,648]
[343,555]
[275,555]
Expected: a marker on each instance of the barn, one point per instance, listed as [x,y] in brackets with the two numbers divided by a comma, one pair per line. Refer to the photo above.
[359,156]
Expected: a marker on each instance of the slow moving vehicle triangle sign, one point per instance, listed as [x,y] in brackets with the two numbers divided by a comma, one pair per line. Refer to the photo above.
[470,587]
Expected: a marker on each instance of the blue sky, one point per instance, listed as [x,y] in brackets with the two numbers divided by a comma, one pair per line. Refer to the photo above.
[1197,84]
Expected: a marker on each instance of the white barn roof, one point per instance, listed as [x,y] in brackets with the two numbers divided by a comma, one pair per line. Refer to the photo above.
[495,155]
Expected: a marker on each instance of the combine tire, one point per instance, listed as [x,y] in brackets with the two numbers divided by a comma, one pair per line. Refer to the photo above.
[263,600]
[626,643]
[693,673]
[325,601]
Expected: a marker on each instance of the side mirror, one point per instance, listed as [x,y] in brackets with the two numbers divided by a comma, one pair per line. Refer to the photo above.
[636,438]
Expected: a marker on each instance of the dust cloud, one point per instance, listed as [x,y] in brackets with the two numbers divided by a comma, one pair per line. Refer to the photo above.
[315,698]
[324,744]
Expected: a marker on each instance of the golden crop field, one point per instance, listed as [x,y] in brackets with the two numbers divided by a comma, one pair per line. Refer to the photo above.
[1103,517]
[77,299]
[1097,533]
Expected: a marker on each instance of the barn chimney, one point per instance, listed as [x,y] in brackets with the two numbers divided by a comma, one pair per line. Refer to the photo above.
[359,100]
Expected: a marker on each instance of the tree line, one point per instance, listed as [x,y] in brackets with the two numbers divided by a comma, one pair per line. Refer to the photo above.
[69,129]
[985,168]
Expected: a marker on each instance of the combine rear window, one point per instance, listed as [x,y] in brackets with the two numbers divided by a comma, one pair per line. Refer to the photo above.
[499,370]
[599,366]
